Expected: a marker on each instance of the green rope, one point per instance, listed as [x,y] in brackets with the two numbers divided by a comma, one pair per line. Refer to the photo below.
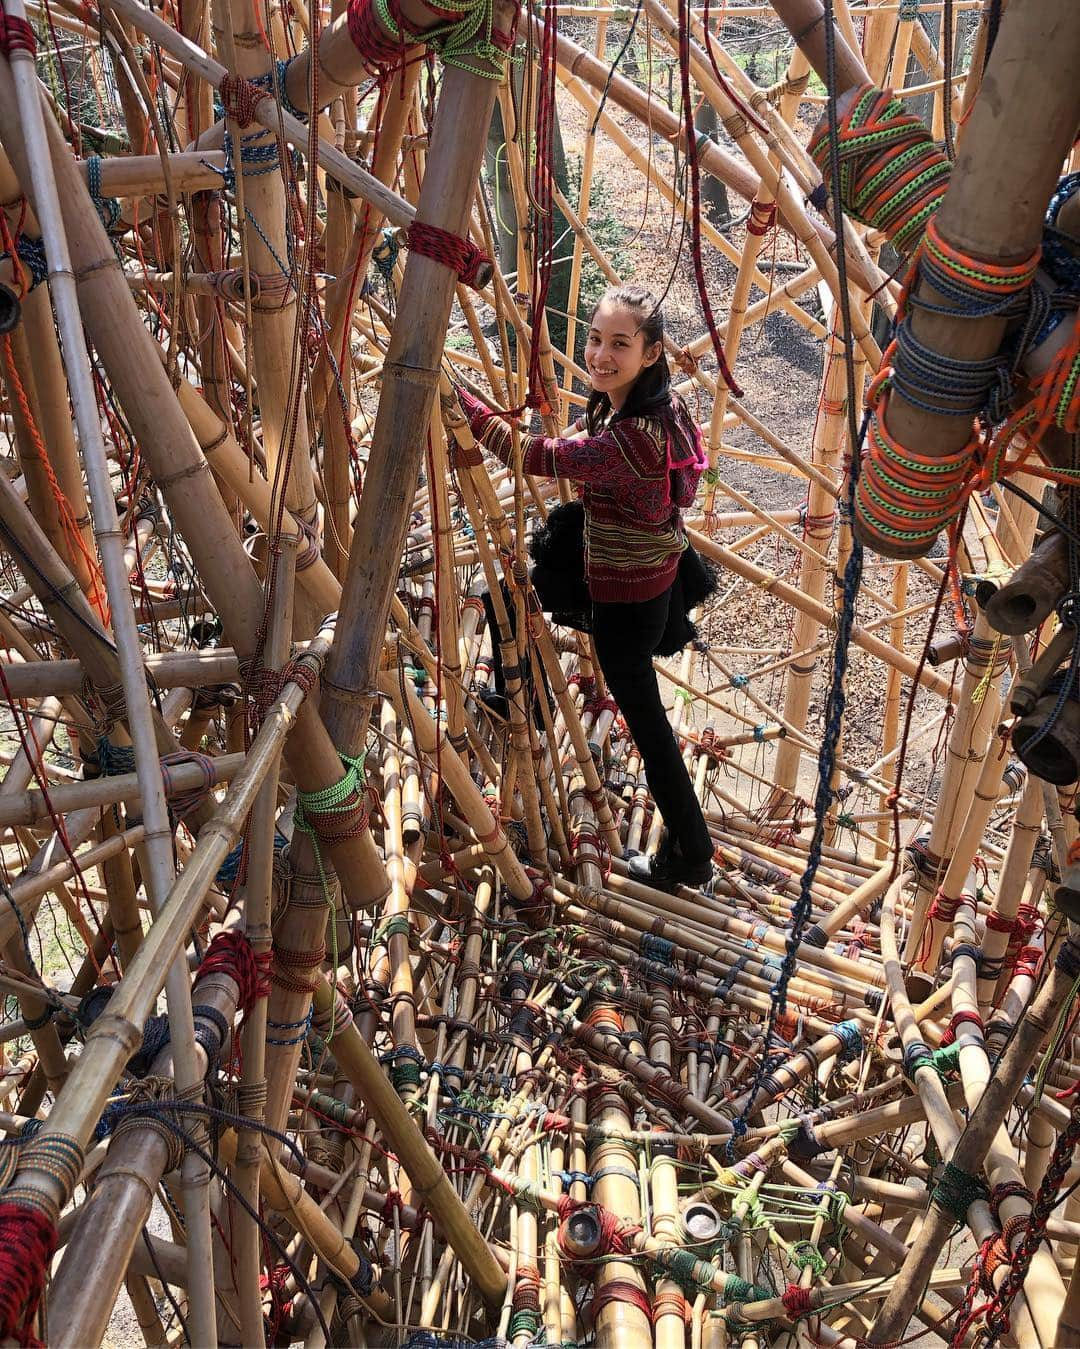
[524,1321]
[693,1275]
[957,1190]
[397,925]
[805,1255]
[945,1060]
[335,799]
[468,42]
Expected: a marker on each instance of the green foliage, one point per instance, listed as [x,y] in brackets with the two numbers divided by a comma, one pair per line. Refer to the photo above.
[768,67]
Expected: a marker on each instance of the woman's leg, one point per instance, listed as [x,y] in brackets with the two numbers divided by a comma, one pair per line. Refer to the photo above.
[626,636]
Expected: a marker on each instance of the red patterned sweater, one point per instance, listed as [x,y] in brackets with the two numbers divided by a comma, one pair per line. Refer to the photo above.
[636,477]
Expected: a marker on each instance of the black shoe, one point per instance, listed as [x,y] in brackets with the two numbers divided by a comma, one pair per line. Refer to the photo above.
[668,870]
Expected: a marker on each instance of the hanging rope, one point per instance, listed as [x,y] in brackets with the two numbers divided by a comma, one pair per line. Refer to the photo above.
[690,132]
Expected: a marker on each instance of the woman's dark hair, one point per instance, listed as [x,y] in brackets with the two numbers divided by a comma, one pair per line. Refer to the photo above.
[651,393]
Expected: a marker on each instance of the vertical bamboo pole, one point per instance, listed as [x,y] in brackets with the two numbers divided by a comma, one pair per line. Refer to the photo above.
[279,318]
[159,867]
[410,380]
[1014,145]
[830,433]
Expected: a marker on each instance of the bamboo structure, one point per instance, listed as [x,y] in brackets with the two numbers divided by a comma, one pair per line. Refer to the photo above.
[333,1011]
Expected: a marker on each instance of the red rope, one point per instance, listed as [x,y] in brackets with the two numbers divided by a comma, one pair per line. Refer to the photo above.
[959,1019]
[377,48]
[231,953]
[16,35]
[695,198]
[460,255]
[620,1290]
[240,99]
[797,1301]
[27,1242]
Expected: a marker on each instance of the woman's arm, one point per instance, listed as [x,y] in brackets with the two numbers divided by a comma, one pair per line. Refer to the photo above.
[588,459]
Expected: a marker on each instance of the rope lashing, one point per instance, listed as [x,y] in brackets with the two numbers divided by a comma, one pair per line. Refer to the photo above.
[108,208]
[232,954]
[357,1288]
[28,1217]
[892,174]
[330,1021]
[615,1237]
[672,1304]
[850,1036]
[405,1063]
[535,911]
[1034,1232]
[957,1190]
[657,948]
[384,256]
[27,1242]
[472,264]
[797,1301]
[903,496]
[29,260]
[380,34]
[16,35]
[240,99]
[959,1019]
[183,801]
[762,218]
[618,1290]
[525,1303]
[300,1029]
[338,812]
[472,42]
[916,1055]
[115,760]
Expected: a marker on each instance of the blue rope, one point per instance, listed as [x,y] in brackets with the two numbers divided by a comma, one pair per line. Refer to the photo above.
[802,909]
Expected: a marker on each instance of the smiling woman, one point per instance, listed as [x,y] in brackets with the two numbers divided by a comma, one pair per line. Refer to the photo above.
[638,463]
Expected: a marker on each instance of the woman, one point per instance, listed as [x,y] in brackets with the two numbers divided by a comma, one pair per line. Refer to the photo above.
[638,460]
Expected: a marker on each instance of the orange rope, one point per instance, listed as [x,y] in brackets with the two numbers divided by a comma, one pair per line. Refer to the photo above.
[73,536]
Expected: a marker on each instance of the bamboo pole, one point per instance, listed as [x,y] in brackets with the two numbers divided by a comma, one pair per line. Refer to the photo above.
[980,214]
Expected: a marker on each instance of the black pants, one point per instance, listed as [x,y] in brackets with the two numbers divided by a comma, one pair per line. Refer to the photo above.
[626,636]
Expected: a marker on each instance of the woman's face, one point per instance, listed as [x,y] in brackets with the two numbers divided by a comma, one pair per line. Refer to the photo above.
[616,351]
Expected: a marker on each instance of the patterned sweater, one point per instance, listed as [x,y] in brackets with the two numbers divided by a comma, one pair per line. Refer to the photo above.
[635,476]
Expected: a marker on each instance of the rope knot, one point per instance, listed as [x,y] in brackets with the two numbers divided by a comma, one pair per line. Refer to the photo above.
[240,99]
[472,264]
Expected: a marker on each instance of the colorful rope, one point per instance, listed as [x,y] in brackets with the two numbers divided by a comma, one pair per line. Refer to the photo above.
[893,176]
[905,499]
[108,208]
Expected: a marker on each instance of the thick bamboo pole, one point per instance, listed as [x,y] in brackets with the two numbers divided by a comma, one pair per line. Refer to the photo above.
[410,380]
[994,207]
[430,1182]
[118,1031]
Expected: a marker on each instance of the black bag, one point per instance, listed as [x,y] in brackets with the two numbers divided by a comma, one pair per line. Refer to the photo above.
[558,576]
[695,581]
[557,549]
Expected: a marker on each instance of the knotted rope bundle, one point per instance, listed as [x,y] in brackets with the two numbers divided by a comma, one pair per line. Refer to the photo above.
[904,498]
[892,175]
